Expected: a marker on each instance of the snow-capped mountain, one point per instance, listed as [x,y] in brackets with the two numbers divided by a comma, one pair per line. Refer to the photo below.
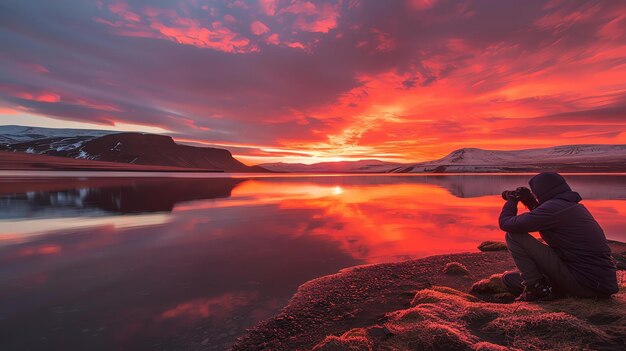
[568,158]
[48,141]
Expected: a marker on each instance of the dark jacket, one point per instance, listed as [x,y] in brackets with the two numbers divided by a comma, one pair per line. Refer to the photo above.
[569,229]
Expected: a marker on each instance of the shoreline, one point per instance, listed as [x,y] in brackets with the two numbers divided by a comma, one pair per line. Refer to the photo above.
[198,173]
[363,298]
[360,296]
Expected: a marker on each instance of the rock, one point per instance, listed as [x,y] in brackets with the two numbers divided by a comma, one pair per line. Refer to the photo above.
[620,259]
[492,246]
[491,285]
[455,268]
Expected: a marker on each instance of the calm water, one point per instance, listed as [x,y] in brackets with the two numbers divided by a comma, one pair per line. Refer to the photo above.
[145,263]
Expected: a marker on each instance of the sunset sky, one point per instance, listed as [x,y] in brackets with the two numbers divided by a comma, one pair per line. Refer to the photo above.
[312,81]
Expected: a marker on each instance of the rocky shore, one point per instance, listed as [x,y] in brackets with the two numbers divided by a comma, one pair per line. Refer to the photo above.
[429,303]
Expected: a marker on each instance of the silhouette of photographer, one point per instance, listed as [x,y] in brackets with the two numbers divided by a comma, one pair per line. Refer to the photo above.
[575,259]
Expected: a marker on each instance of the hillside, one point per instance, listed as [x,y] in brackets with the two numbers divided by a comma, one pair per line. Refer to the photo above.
[567,158]
[34,162]
[122,148]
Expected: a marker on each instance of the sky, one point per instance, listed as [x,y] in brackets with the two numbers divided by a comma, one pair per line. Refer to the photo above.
[313,81]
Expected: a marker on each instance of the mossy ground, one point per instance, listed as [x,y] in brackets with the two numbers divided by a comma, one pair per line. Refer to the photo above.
[441,318]
[415,305]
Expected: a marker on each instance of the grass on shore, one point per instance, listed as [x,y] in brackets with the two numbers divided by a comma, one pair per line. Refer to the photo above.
[442,318]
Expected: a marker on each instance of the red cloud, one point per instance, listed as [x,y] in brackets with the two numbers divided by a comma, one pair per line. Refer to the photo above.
[190,32]
[310,17]
[122,9]
[421,4]
[268,7]
[273,39]
[167,24]
[258,28]
[44,96]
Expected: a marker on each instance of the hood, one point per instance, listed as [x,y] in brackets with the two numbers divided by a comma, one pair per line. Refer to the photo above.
[548,185]
[570,196]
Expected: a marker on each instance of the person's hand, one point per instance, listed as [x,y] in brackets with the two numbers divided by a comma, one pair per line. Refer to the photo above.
[509,196]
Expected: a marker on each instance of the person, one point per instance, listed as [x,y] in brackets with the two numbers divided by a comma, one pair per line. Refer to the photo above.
[575,259]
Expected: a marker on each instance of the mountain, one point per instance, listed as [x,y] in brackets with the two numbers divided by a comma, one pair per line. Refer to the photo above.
[361,166]
[124,148]
[568,158]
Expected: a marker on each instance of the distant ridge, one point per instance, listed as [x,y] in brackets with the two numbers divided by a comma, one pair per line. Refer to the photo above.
[362,166]
[567,158]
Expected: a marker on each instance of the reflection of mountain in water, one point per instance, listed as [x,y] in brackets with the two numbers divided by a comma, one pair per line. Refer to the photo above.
[604,187]
[96,196]
[92,197]
[598,187]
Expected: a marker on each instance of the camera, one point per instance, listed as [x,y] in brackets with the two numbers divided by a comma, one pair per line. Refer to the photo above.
[522,194]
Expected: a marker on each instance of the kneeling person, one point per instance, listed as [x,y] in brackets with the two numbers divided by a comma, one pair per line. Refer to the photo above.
[576,260]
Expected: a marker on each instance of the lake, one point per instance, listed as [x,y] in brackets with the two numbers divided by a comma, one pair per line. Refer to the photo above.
[124,261]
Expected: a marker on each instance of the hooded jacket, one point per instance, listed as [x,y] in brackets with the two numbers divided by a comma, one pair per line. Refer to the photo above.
[569,228]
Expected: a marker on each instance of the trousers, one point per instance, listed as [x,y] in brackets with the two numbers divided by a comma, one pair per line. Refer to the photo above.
[536,260]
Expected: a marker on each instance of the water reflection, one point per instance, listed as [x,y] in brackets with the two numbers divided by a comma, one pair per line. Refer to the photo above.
[98,196]
[132,263]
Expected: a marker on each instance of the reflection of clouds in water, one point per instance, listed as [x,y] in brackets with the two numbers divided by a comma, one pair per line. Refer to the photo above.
[161,280]
[213,307]
[20,230]
[418,215]
[382,223]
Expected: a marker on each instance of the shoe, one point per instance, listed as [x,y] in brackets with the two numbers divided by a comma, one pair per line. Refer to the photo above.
[537,291]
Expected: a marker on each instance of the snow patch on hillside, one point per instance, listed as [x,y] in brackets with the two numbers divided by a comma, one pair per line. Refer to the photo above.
[15,134]
[478,160]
